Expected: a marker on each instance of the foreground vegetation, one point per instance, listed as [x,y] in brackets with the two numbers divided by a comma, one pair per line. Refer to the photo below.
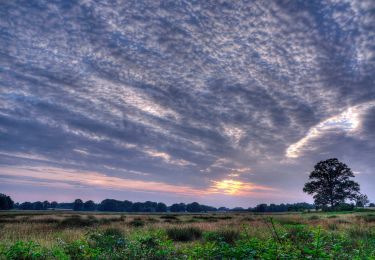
[66,235]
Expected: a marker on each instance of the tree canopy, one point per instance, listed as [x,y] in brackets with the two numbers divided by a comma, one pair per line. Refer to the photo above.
[5,202]
[331,184]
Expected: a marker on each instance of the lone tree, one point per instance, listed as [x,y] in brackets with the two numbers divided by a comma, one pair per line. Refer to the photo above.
[330,184]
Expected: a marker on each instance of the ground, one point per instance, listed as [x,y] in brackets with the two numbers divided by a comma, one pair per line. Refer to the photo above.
[94,235]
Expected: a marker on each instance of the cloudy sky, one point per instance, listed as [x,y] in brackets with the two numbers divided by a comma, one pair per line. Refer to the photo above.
[221,102]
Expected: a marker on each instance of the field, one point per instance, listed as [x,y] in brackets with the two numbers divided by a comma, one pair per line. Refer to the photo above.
[85,235]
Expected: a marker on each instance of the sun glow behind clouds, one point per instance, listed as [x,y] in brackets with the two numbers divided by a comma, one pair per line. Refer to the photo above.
[228,186]
[347,122]
[237,188]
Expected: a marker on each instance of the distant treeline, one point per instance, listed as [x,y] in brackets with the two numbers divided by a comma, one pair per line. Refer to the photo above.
[127,206]
[282,207]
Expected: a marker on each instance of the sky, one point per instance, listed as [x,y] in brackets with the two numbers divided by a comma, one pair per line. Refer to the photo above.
[227,103]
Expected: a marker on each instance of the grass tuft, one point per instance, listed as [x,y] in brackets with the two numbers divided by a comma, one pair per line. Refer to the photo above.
[184,234]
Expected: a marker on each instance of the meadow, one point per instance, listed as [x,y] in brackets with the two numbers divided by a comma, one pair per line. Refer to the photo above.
[93,235]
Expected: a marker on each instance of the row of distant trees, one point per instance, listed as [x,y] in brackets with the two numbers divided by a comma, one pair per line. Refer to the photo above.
[127,206]
[7,203]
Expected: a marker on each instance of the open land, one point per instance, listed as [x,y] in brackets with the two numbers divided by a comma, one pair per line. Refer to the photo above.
[94,235]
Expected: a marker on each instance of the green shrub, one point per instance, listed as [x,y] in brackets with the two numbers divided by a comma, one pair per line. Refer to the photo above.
[229,236]
[80,249]
[288,221]
[363,210]
[368,218]
[314,217]
[111,239]
[46,221]
[137,222]
[184,234]
[298,233]
[206,218]
[25,250]
[332,226]
[344,207]
[360,232]
[109,220]
[225,217]
[77,221]
[172,217]
[150,245]
[249,219]
[152,220]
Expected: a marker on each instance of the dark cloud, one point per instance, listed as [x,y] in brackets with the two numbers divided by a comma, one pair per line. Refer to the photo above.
[187,93]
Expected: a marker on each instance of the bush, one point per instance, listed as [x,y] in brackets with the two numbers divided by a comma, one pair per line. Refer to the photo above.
[314,217]
[110,220]
[288,221]
[358,232]
[24,250]
[332,226]
[364,210]
[77,221]
[152,220]
[249,219]
[344,207]
[229,236]
[225,217]
[80,249]
[184,234]
[110,240]
[137,222]
[368,217]
[206,218]
[150,245]
[297,233]
[172,217]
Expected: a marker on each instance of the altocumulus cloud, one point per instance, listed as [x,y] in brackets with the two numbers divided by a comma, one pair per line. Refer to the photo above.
[183,100]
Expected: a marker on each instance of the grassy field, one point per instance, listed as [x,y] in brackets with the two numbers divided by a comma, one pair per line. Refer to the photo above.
[85,235]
